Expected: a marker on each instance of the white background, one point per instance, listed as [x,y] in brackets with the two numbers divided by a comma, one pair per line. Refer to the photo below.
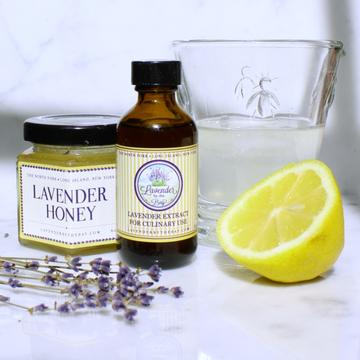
[63,56]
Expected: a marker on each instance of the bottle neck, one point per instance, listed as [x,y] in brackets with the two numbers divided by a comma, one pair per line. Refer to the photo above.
[156,94]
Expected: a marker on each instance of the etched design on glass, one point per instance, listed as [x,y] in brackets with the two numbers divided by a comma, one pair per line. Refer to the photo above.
[263,102]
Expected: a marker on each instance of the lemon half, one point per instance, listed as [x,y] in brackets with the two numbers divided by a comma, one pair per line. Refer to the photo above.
[289,227]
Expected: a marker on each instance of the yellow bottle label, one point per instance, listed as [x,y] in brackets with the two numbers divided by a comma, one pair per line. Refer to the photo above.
[157,193]
[67,207]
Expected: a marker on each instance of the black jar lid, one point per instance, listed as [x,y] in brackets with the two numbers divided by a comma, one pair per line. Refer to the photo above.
[81,130]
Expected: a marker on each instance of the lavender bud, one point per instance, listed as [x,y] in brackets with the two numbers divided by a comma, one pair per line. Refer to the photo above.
[105,266]
[63,308]
[95,265]
[162,289]
[4,298]
[130,314]
[145,299]
[75,263]
[155,272]
[117,304]
[83,275]
[123,271]
[117,295]
[14,283]
[129,280]
[104,283]
[103,298]
[75,290]
[91,304]
[33,265]
[89,296]
[40,308]
[122,291]
[49,280]
[66,277]
[147,284]
[139,285]
[48,259]
[90,299]
[176,291]
[9,267]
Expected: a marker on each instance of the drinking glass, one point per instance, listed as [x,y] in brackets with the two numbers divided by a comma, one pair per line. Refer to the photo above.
[258,106]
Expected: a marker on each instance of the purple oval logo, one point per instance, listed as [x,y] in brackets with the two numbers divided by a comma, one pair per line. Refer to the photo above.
[158,185]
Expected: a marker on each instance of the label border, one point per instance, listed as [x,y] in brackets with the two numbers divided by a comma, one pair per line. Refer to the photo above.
[158,239]
[170,238]
[169,149]
[49,241]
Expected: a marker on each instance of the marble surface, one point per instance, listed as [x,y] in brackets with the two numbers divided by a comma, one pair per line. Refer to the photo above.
[227,312]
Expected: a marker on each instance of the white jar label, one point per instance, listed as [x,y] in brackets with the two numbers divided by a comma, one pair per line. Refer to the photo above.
[157,193]
[67,206]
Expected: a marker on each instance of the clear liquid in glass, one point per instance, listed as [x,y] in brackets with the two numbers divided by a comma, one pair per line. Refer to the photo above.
[238,151]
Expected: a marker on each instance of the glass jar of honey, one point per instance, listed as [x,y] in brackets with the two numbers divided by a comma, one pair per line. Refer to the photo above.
[66,184]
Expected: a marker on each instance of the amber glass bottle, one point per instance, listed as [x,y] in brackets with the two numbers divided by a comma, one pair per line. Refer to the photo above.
[157,171]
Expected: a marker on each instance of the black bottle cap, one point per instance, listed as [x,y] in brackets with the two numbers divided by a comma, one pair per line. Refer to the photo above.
[67,130]
[152,73]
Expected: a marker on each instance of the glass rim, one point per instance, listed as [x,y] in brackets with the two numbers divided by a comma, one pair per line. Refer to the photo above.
[328,44]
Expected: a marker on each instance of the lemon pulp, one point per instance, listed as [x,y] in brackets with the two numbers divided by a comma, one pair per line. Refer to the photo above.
[289,226]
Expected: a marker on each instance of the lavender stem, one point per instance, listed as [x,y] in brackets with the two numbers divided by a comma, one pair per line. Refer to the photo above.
[36,287]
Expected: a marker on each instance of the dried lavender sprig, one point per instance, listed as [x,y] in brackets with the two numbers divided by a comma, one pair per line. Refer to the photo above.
[174,291]
[154,272]
[9,267]
[177,291]
[6,300]
[50,259]
[47,259]
[49,279]
[39,308]
[19,276]
[99,266]
[70,306]
[31,286]
[129,289]
[32,265]
[17,305]
[55,278]
[104,283]
[19,265]
[160,290]
[130,314]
